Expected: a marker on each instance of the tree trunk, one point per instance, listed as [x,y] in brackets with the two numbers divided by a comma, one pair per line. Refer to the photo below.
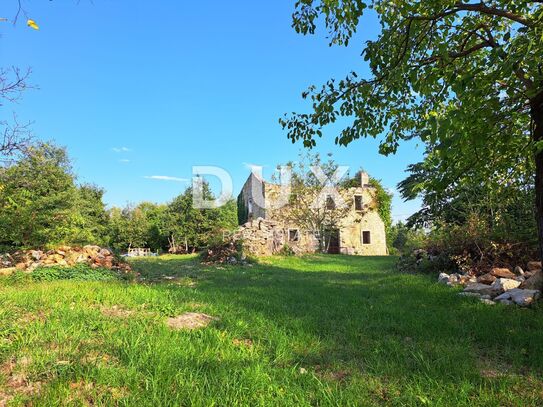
[537,136]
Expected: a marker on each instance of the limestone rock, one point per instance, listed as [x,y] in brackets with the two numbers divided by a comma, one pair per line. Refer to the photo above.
[443,278]
[505,284]
[486,279]
[94,256]
[502,273]
[534,265]
[36,255]
[519,296]
[482,289]
[535,282]
[466,279]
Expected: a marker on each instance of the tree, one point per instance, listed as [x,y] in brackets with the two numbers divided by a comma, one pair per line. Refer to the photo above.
[91,220]
[14,136]
[196,227]
[464,77]
[402,239]
[130,227]
[41,204]
[37,198]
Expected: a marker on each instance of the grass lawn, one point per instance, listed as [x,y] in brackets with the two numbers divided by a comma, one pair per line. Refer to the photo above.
[319,330]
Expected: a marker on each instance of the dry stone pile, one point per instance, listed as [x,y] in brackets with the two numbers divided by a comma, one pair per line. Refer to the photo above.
[502,285]
[261,237]
[29,260]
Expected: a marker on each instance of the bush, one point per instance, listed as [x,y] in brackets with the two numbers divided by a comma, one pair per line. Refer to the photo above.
[286,250]
[402,239]
[80,272]
[471,247]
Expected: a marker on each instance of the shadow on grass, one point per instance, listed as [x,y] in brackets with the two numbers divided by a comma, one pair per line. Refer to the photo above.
[360,313]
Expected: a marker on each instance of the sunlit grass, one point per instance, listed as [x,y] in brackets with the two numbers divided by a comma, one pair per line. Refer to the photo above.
[319,330]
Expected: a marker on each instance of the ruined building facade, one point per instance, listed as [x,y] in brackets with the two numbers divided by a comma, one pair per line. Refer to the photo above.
[267,228]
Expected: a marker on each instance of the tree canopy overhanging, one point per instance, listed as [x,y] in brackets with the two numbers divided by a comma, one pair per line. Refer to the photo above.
[466,78]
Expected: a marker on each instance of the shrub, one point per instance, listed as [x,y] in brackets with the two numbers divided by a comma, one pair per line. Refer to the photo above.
[80,272]
[286,250]
[472,247]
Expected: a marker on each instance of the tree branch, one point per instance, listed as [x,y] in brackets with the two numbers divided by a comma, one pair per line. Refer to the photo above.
[481,8]
[484,9]
[455,55]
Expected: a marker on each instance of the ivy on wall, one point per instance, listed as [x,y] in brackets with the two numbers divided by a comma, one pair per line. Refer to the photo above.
[383,199]
[243,213]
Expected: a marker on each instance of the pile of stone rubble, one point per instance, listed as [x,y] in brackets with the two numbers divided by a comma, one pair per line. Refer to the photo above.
[502,285]
[29,260]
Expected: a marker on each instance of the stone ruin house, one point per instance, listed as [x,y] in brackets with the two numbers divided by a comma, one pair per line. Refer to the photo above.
[264,231]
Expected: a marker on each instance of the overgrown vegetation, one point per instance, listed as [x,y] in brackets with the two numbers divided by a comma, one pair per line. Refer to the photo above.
[482,219]
[81,272]
[402,239]
[311,204]
[41,204]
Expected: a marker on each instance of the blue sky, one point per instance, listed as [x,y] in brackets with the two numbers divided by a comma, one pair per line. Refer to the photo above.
[136,89]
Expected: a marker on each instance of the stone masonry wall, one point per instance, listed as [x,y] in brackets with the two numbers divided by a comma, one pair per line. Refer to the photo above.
[266,233]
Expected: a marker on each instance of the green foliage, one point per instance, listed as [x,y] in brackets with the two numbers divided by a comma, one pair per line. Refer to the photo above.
[286,250]
[243,212]
[384,202]
[156,226]
[41,204]
[402,239]
[502,199]
[464,78]
[91,221]
[145,225]
[199,226]
[441,71]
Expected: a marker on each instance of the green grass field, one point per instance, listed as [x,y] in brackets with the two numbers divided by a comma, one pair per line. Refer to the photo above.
[319,330]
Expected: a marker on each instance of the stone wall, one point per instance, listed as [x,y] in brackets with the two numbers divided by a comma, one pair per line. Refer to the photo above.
[267,229]
[251,193]
[262,237]
[355,223]
[351,226]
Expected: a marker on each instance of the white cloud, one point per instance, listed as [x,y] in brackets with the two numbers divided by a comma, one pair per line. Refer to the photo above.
[124,161]
[166,178]
[121,149]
